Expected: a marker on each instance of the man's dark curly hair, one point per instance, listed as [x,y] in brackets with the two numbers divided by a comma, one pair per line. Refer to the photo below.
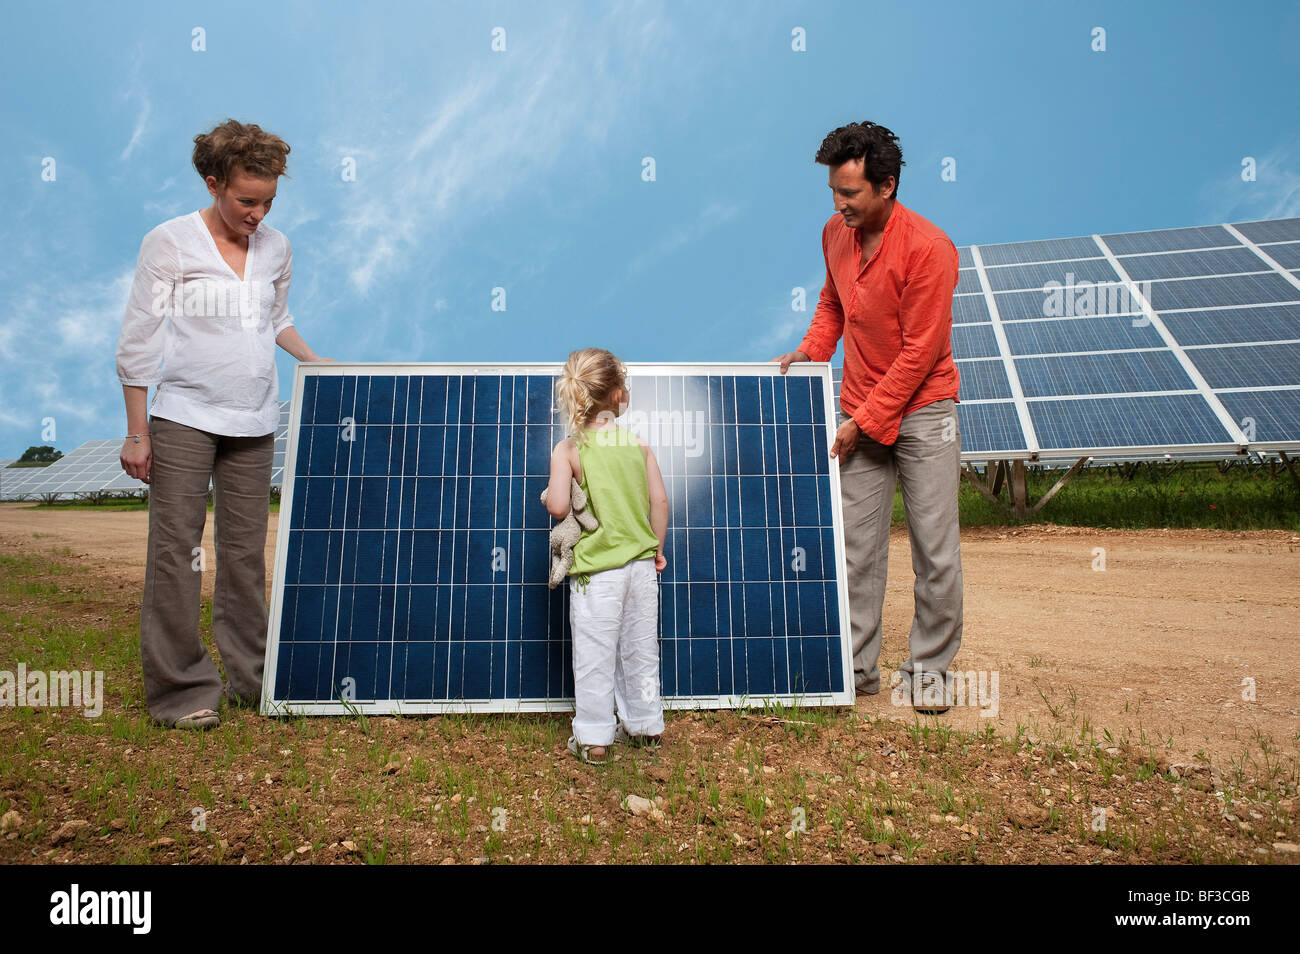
[875,145]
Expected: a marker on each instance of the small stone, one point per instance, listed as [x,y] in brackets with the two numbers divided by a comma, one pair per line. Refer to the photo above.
[11,821]
[70,831]
[1286,847]
[638,805]
[117,824]
[303,849]
[164,842]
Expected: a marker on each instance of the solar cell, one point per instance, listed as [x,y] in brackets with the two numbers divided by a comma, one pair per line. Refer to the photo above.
[989,429]
[1079,426]
[974,341]
[1215,292]
[1109,299]
[1286,254]
[1166,240]
[1271,419]
[1223,261]
[1112,373]
[1271,230]
[1250,366]
[969,309]
[1226,326]
[1020,253]
[1035,277]
[983,380]
[1101,333]
[413,557]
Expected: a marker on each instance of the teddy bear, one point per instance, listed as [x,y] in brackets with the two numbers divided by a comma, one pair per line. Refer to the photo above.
[568,531]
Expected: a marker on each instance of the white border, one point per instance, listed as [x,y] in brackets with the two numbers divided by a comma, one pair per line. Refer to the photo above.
[272,706]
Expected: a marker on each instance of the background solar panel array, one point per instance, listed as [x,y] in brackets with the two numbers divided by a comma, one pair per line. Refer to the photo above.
[413,551]
[94,467]
[1098,376]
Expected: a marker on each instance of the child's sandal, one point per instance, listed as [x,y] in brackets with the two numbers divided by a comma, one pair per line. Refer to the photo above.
[583,752]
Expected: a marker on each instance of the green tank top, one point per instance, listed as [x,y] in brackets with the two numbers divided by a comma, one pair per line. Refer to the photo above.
[614,480]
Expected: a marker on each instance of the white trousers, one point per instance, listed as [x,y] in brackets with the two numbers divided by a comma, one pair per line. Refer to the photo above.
[615,626]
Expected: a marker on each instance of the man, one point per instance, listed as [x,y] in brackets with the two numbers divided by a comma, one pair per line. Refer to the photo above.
[890,276]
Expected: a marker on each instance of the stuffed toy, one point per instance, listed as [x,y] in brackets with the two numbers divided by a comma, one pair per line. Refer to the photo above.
[567,532]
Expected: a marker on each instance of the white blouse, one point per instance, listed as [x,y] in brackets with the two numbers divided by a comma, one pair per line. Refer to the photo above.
[205,337]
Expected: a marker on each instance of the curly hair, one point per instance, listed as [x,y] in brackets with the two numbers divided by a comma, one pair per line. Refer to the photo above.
[234,145]
[587,382]
[875,145]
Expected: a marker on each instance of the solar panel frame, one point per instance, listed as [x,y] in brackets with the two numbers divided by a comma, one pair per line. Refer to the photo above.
[273,705]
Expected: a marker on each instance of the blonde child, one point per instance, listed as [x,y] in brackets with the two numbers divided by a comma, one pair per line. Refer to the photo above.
[613,591]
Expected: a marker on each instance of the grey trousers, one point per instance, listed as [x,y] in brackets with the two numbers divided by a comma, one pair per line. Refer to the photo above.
[925,460]
[180,676]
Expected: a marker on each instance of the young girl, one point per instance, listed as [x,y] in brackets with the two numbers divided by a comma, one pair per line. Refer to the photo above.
[613,592]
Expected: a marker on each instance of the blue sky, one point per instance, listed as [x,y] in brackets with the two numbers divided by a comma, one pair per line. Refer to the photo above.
[522,169]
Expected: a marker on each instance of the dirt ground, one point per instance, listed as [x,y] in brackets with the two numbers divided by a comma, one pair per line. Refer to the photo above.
[1165,640]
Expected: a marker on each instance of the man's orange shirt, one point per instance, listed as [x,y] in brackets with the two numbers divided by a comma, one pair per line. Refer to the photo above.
[897,341]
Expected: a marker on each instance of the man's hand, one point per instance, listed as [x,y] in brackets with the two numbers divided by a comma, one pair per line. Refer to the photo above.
[846,438]
[787,359]
[661,562]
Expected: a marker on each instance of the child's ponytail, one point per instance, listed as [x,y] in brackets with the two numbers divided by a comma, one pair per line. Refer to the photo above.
[585,385]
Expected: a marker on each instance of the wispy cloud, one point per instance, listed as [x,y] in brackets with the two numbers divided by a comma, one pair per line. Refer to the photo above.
[1275,193]
[58,345]
[491,138]
[136,94]
[785,327]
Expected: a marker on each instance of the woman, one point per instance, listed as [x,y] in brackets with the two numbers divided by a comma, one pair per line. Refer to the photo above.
[206,310]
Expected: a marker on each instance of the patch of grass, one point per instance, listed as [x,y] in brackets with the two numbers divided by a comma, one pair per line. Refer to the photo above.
[1156,494]
[781,784]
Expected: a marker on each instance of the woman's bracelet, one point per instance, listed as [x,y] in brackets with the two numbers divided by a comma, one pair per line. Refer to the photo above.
[138,436]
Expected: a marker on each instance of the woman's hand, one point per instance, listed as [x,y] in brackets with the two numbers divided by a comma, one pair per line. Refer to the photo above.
[137,458]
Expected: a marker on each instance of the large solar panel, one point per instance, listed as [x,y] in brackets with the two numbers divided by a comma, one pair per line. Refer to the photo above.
[412,558]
